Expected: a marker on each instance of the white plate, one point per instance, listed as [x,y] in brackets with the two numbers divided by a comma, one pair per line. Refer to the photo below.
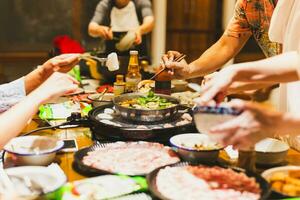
[49,178]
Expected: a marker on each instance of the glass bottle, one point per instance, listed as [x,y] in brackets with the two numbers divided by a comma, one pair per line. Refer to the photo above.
[133,76]
[119,85]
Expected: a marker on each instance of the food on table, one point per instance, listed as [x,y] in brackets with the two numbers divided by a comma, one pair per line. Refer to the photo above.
[109,111]
[201,182]
[102,88]
[168,125]
[146,86]
[107,187]
[186,98]
[286,183]
[182,122]
[105,116]
[149,102]
[201,145]
[132,158]
[142,127]
[187,117]
[106,121]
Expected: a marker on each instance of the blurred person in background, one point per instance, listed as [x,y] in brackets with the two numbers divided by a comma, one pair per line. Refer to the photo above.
[123,24]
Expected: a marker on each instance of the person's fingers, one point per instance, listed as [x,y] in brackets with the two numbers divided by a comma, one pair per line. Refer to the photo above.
[174,65]
[173,54]
[165,58]
[71,89]
[72,79]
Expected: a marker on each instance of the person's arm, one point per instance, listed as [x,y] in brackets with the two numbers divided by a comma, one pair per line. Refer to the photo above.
[62,63]
[233,40]
[278,69]
[254,124]
[96,27]
[148,20]
[15,119]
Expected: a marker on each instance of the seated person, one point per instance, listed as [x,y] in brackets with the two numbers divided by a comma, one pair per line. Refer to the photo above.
[113,19]
[42,85]
[13,92]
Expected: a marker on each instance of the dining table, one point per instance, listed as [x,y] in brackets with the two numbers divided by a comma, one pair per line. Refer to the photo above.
[84,138]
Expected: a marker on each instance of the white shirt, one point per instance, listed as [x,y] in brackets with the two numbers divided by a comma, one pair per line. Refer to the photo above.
[285,29]
[124,19]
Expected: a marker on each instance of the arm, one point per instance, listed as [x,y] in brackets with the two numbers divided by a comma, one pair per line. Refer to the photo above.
[15,119]
[62,63]
[96,27]
[216,56]
[254,124]
[148,20]
[278,69]
[236,35]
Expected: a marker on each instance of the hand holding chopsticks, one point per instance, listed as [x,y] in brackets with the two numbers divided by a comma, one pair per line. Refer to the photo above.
[177,59]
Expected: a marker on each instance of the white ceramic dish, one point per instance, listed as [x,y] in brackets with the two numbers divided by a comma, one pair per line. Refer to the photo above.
[34,150]
[184,144]
[107,98]
[48,178]
[268,174]
[271,151]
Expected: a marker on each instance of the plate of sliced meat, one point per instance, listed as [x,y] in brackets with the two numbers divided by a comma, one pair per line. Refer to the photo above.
[190,182]
[127,158]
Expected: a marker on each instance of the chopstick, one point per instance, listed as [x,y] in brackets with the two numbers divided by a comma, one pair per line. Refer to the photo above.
[178,59]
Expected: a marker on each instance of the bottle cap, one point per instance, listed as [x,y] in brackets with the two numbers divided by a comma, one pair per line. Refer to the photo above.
[120,77]
[133,52]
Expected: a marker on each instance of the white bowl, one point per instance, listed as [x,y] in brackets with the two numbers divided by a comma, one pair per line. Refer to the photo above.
[184,143]
[34,150]
[207,117]
[48,178]
[107,98]
[271,151]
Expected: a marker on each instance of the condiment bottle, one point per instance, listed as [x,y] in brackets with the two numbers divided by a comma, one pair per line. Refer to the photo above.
[133,76]
[163,83]
[119,85]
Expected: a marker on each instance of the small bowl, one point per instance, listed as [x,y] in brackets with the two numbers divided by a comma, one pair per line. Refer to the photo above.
[179,85]
[271,152]
[190,154]
[285,170]
[207,117]
[107,98]
[34,150]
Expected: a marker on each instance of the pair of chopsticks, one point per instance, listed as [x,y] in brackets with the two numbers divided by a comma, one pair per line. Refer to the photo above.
[177,59]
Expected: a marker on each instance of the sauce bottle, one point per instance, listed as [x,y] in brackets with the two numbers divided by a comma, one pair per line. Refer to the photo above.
[163,83]
[119,85]
[133,76]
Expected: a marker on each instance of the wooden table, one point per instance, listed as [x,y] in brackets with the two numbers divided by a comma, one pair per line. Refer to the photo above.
[83,138]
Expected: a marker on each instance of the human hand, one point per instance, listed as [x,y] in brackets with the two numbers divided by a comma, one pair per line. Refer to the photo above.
[138,37]
[216,87]
[55,86]
[180,69]
[105,32]
[253,125]
[62,63]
